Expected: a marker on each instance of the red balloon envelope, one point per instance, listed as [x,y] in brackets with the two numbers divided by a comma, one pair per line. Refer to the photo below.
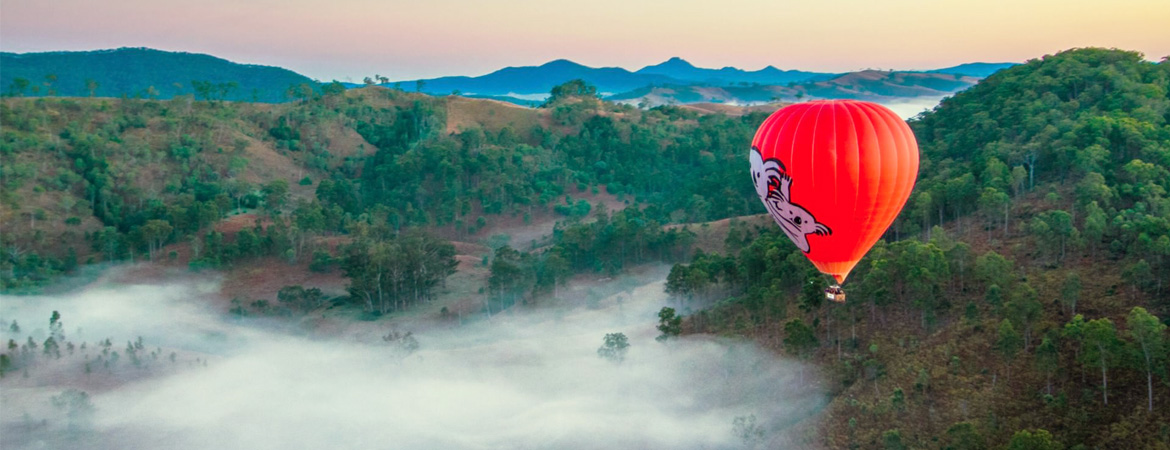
[834,174]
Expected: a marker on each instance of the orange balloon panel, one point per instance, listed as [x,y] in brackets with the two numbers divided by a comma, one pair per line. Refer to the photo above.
[834,174]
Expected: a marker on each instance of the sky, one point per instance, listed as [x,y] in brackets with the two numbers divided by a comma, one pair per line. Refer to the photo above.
[409,39]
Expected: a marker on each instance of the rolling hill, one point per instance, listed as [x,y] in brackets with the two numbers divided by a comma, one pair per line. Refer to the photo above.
[977,70]
[141,72]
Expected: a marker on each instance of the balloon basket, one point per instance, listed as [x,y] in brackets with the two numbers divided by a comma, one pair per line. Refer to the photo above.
[835,294]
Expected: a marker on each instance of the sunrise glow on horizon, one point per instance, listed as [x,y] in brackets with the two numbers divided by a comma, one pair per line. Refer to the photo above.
[350,39]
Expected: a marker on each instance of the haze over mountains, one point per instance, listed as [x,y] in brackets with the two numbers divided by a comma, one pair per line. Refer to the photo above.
[141,72]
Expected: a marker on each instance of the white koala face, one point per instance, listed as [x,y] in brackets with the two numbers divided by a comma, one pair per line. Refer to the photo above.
[773,185]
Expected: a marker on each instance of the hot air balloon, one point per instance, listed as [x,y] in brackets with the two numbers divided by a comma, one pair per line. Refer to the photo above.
[834,174]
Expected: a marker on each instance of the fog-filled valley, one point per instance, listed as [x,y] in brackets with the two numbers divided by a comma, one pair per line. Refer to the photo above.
[525,379]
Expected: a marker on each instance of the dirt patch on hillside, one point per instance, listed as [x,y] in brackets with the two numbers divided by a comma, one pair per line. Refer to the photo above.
[491,115]
[344,142]
[266,164]
[262,279]
[233,224]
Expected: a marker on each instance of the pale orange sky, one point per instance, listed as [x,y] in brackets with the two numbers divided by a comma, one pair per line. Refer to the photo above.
[349,39]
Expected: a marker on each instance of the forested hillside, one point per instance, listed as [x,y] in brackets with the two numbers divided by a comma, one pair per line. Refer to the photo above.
[1020,300]
[92,180]
[144,73]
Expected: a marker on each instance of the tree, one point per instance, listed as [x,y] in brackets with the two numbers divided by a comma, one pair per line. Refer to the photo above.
[812,292]
[570,89]
[156,232]
[1008,344]
[78,409]
[668,323]
[614,347]
[91,86]
[799,340]
[56,327]
[1149,337]
[1053,229]
[396,272]
[995,205]
[1101,349]
[991,268]
[558,270]
[275,194]
[18,86]
[1033,440]
[1074,331]
[892,440]
[1094,226]
[1070,292]
[291,295]
[993,296]
[510,276]
[203,89]
[1048,359]
[964,436]
[1024,310]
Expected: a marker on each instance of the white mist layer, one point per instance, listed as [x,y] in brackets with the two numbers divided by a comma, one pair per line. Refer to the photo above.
[521,380]
[907,108]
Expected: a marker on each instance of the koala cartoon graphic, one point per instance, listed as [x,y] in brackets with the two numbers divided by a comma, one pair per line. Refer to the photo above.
[773,185]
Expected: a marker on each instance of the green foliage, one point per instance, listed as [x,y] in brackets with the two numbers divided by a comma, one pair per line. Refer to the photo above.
[614,347]
[898,400]
[669,324]
[1102,350]
[892,440]
[1009,342]
[1034,440]
[390,272]
[799,338]
[1148,337]
[571,89]
[964,436]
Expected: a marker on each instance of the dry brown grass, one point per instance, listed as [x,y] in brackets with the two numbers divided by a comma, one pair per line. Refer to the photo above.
[492,115]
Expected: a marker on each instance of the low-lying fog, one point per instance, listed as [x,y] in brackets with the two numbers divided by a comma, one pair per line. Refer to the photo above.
[907,108]
[525,379]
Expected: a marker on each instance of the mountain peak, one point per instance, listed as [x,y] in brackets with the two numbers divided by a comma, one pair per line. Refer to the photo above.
[560,63]
[676,62]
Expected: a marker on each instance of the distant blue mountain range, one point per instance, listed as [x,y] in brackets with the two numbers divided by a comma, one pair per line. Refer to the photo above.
[142,72]
[539,80]
[679,69]
[676,75]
